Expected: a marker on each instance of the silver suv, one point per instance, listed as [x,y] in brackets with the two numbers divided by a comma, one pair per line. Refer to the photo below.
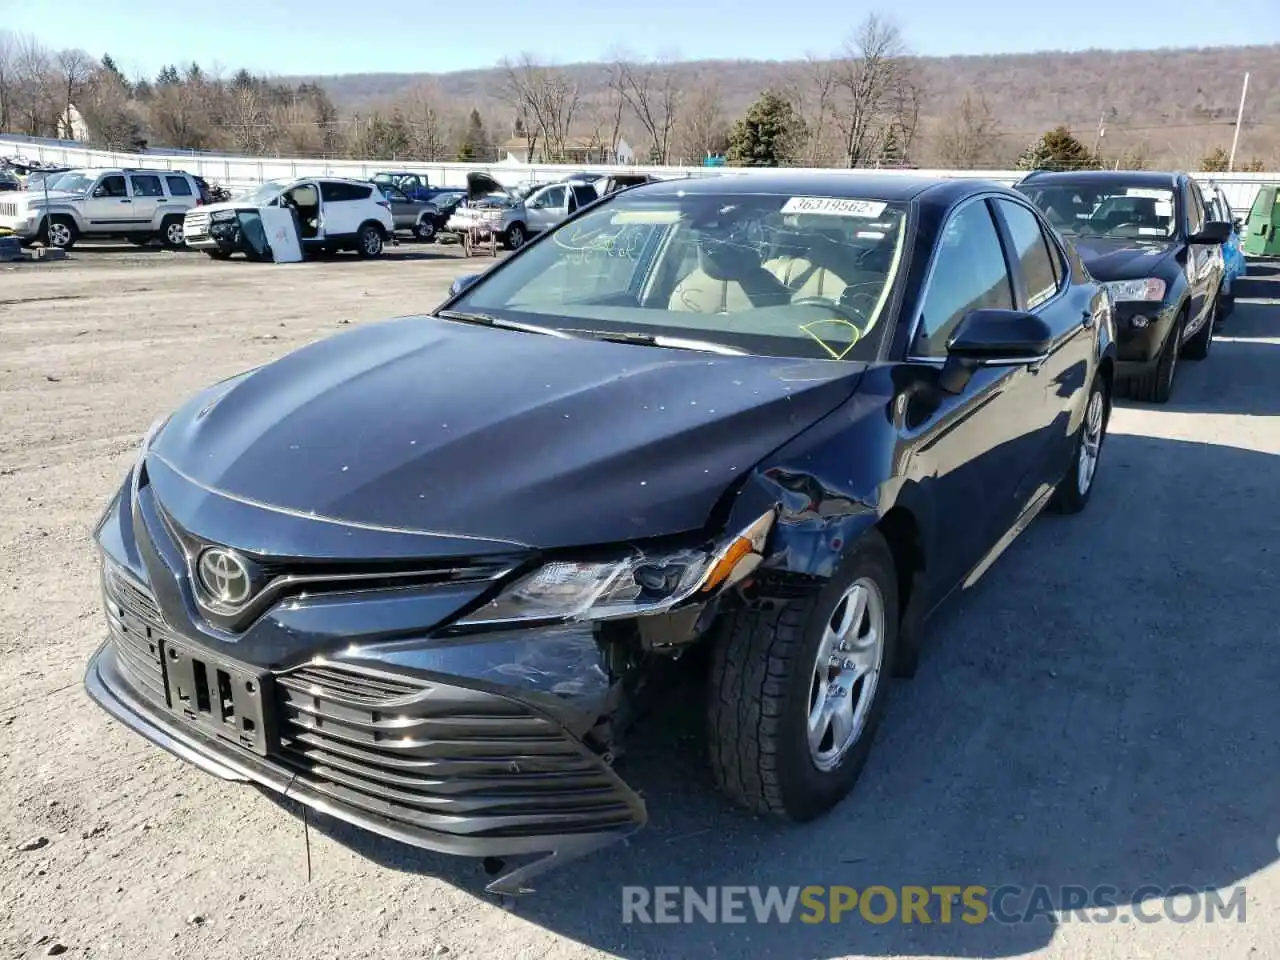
[131,203]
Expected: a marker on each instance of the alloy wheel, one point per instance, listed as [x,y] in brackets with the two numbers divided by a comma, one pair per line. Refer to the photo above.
[59,235]
[846,673]
[372,243]
[174,235]
[1090,443]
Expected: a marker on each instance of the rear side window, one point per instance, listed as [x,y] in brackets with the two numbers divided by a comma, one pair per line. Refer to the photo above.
[1034,254]
[969,273]
[146,185]
[178,186]
[333,192]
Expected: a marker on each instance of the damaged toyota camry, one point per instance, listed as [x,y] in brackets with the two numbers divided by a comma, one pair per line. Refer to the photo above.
[421,575]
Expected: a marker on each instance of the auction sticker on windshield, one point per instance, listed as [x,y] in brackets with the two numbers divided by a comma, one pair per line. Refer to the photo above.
[835,206]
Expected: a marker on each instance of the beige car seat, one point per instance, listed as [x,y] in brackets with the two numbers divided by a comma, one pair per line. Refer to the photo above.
[728,278]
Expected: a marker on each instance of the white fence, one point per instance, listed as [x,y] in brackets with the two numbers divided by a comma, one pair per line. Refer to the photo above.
[237,172]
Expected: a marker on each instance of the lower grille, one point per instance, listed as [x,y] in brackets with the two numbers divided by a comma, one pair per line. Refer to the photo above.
[443,758]
[137,629]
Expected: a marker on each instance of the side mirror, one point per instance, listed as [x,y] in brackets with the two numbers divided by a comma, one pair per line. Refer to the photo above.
[1238,224]
[462,283]
[1214,231]
[994,338]
[99,192]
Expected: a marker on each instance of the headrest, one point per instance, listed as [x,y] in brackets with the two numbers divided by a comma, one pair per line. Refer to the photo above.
[725,260]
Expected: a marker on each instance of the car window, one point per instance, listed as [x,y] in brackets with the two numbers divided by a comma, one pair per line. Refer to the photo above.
[178,186]
[969,273]
[1113,209]
[1195,208]
[393,193]
[1034,254]
[146,185]
[333,191]
[553,197]
[112,186]
[804,276]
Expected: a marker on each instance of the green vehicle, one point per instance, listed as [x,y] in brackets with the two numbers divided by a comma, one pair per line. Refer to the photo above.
[1262,231]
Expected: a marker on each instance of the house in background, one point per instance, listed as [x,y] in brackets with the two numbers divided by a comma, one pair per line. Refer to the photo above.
[71,125]
[579,151]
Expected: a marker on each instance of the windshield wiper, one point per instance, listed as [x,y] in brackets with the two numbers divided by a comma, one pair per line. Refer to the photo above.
[674,343]
[488,320]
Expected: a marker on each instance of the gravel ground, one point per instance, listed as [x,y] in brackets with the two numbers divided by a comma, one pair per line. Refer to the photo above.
[1100,709]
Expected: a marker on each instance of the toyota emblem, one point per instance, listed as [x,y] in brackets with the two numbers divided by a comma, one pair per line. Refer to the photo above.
[224,576]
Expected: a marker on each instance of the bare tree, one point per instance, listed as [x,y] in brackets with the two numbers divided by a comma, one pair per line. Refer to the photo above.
[428,127]
[546,97]
[968,138]
[812,90]
[74,67]
[702,129]
[867,77]
[37,91]
[8,78]
[114,121]
[651,91]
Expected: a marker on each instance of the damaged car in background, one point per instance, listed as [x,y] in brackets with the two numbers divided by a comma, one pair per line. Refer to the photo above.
[423,576]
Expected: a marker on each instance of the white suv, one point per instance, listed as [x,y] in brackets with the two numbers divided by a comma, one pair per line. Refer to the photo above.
[132,203]
[332,214]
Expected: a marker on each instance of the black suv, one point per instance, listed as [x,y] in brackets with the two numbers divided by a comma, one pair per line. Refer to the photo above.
[1147,237]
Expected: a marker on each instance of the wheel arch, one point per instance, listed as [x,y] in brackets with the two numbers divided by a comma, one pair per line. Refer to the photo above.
[377,225]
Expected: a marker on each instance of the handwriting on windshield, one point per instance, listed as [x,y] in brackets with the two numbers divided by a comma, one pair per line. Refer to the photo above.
[583,245]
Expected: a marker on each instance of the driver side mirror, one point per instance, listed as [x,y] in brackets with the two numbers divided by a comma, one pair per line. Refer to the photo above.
[994,338]
[1214,231]
[99,192]
[462,283]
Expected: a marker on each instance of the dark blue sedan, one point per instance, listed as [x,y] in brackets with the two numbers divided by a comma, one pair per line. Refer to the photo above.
[417,575]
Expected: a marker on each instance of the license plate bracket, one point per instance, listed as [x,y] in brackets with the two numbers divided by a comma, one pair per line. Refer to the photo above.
[220,697]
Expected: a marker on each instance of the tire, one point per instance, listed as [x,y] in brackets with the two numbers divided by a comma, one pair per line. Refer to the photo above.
[1076,486]
[217,254]
[425,231]
[172,234]
[1226,305]
[1197,348]
[1156,385]
[515,237]
[61,232]
[763,680]
[369,242]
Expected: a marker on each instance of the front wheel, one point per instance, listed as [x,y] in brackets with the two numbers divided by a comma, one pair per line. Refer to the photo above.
[1074,489]
[369,241]
[61,232]
[1156,385]
[514,238]
[1197,348]
[798,686]
[425,231]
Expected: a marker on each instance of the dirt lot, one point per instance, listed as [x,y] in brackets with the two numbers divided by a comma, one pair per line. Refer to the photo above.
[1101,709]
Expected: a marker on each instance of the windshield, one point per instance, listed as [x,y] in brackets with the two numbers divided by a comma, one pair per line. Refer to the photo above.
[775,275]
[72,181]
[263,193]
[1107,209]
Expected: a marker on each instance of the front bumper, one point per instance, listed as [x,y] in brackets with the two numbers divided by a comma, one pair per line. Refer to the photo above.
[425,759]
[1141,329]
[22,227]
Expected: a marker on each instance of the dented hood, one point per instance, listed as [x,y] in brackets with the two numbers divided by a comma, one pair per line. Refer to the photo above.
[424,424]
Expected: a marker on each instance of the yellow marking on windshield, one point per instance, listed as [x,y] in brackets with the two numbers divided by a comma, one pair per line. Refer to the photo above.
[835,355]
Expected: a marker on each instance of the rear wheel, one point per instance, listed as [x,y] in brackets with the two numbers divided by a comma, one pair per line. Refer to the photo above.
[1156,385]
[61,232]
[217,254]
[1072,494]
[369,241]
[798,686]
[172,234]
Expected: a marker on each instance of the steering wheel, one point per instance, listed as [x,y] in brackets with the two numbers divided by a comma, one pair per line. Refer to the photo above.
[1121,226]
[845,314]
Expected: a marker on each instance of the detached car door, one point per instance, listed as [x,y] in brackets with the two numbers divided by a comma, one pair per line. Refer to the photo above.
[967,450]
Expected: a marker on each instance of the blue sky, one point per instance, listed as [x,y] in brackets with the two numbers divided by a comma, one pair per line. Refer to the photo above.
[339,36]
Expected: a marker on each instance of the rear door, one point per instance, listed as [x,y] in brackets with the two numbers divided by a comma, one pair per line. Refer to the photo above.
[148,194]
[1042,286]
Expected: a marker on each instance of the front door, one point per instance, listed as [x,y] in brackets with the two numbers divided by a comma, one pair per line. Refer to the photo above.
[1200,260]
[965,450]
[403,210]
[546,208]
[108,206]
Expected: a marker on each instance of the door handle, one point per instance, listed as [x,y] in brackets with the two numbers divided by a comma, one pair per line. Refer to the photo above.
[1086,318]
[126,201]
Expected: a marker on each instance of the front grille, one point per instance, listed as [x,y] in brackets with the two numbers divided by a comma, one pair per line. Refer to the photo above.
[439,758]
[196,224]
[137,628]
[8,209]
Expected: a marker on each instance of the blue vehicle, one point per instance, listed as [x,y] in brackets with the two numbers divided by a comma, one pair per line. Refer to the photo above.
[1234,265]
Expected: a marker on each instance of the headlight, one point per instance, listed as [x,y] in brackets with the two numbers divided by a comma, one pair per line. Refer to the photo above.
[1149,288]
[637,585]
[222,215]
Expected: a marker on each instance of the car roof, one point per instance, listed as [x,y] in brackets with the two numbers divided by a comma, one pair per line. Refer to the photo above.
[850,185]
[1136,178]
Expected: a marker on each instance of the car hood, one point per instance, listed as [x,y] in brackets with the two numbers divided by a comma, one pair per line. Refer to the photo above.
[35,197]
[426,425]
[1123,259]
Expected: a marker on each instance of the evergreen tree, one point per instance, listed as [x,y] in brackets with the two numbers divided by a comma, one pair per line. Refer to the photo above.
[766,136]
[1058,150]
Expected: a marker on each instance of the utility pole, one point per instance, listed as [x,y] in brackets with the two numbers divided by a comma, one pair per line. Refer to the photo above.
[1235,139]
